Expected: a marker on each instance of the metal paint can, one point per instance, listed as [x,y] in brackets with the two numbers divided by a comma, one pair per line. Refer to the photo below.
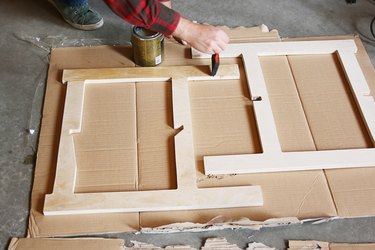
[148,47]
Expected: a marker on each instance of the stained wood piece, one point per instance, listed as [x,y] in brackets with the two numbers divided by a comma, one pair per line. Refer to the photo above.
[273,159]
[153,74]
[63,200]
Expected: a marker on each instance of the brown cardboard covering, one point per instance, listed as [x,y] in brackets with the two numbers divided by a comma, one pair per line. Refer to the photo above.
[112,152]
[223,122]
[119,244]
[324,91]
[63,244]
[342,246]
[297,245]
[352,189]
[157,169]
[39,225]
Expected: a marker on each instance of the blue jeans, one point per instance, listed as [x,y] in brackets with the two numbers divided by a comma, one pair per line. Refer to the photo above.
[73,2]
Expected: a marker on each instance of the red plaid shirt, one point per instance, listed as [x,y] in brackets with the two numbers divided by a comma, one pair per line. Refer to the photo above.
[150,14]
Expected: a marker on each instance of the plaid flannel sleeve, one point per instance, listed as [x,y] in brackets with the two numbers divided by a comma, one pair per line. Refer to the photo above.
[150,14]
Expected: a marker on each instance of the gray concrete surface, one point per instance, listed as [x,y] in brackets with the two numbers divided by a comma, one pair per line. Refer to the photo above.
[30,28]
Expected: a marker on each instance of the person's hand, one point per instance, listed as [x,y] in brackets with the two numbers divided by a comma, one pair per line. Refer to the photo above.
[205,38]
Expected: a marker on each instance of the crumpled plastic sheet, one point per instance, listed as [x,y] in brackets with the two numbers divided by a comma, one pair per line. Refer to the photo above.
[48,42]
[32,132]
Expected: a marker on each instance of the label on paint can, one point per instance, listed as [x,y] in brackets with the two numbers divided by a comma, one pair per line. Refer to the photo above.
[148,47]
[158,59]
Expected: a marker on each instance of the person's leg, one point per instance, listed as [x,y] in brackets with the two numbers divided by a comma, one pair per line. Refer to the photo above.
[78,14]
[74,2]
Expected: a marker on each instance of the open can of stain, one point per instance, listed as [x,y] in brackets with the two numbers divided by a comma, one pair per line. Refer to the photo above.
[148,47]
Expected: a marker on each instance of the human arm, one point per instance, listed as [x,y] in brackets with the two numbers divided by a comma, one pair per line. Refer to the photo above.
[205,38]
[150,14]
[158,16]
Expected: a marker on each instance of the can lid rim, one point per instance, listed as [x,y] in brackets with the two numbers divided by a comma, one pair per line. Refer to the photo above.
[137,30]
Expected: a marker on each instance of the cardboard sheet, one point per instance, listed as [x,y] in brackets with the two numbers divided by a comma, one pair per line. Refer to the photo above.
[63,244]
[115,244]
[111,153]
[351,189]
[312,245]
[223,123]
[209,244]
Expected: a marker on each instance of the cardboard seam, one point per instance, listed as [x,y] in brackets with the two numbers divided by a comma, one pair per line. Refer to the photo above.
[312,136]
[137,138]
[137,148]
[330,191]
[310,190]
[301,103]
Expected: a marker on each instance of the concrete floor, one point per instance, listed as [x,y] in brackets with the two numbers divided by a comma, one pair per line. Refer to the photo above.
[30,28]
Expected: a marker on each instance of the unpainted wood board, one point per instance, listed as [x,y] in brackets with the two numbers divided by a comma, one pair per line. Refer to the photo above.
[361,90]
[66,243]
[289,161]
[273,159]
[66,168]
[155,200]
[63,200]
[284,48]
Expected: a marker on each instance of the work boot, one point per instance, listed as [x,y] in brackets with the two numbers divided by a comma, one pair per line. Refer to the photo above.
[80,16]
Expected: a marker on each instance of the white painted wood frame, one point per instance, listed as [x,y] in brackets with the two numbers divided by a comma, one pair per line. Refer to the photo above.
[63,200]
[273,159]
